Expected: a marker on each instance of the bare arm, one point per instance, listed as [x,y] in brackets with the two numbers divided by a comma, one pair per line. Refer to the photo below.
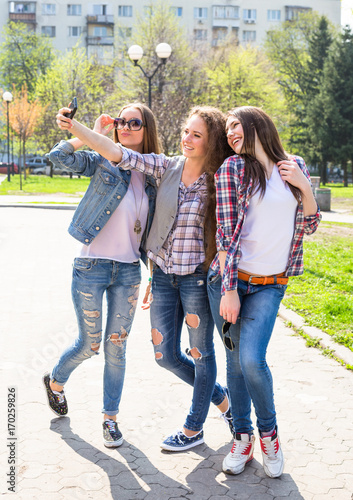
[92,138]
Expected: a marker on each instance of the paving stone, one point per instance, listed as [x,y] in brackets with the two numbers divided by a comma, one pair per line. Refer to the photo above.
[65,459]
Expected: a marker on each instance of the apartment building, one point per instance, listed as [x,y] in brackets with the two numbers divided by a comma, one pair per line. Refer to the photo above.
[94,24]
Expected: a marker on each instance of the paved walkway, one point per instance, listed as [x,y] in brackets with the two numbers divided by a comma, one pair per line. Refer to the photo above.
[64,458]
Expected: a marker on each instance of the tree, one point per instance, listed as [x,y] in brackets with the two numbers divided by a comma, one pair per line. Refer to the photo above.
[238,76]
[298,50]
[24,57]
[330,114]
[175,87]
[23,117]
[69,75]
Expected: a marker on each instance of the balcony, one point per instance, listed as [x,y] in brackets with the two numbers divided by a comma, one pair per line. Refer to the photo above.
[100,19]
[292,12]
[23,17]
[100,40]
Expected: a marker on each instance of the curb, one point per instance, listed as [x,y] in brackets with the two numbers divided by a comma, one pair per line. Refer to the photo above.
[39,205]
[326,341]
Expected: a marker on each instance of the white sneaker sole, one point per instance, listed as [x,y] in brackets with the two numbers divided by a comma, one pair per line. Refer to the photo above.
[113,444]
[168,447]
[230,470]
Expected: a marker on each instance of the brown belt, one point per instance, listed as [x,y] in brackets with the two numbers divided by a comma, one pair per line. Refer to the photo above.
[276,279]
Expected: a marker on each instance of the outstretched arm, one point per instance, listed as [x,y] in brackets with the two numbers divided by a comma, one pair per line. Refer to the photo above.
[95,139]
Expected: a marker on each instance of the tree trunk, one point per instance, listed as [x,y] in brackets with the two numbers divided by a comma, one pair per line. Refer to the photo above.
[19,165]
[323,172]
[24,159]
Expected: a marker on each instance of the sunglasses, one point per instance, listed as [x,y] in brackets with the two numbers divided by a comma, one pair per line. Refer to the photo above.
[135,124]
[226,338]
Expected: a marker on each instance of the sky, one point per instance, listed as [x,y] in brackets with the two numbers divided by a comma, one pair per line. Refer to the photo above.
[347,13]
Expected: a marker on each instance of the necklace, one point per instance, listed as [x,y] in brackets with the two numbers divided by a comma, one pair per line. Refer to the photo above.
[137,226]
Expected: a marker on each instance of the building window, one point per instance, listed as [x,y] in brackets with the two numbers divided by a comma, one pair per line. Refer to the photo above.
[177,11]
[48,31]
[74,10]
[200,13]
[48,9]
[22,7]
[249,36]
[100,10]
[225,12]
[219,34]
[249,15]
[125,11]
[292,13]
[100,31]
[125,32]
[273,15]
[75,31]
[200,34]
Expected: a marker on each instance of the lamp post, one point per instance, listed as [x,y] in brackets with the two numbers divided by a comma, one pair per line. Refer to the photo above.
[7,96]
[163,51]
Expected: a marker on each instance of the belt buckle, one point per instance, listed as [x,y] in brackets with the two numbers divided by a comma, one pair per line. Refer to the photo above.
[250,278]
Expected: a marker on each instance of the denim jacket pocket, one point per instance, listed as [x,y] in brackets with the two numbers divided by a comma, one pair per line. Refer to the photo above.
[105,181]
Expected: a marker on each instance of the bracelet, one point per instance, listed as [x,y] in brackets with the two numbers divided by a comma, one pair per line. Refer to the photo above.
[150,279]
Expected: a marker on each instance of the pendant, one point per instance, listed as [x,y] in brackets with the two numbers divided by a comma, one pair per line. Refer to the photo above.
[137,227]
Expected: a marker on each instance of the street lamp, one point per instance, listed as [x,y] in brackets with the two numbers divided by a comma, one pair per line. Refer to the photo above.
[7,96]
[163,51]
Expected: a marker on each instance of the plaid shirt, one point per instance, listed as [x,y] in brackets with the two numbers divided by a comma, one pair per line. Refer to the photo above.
[232,206]
[183,250]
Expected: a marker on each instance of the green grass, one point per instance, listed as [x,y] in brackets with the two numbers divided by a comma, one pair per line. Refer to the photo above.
[340,191]
[41,184]
[341,197]
[323,294]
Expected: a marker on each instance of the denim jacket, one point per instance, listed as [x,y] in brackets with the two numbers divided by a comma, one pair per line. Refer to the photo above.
[106,190]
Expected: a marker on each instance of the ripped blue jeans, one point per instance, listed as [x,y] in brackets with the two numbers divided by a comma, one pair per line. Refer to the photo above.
[121,282]
[176,298]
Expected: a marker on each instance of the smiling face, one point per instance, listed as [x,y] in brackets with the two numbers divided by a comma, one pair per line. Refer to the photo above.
[235,134]
[127,137]
[194,140]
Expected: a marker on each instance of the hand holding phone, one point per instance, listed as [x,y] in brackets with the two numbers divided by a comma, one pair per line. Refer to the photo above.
[73,107]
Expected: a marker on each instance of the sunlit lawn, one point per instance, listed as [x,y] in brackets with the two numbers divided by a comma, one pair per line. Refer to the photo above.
[42,184]
[323,295]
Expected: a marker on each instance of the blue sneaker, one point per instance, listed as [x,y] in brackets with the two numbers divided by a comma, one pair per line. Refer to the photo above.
[179,441]
[227,415]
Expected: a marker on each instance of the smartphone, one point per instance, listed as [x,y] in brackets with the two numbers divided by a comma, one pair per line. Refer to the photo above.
[73,107]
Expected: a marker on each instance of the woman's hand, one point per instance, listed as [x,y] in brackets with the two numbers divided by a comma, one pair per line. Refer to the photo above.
[146,302]
[290,172]
[230,306]
[104,124]
[63,122]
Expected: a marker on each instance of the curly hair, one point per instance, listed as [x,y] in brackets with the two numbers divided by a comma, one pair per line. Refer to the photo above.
[218,150]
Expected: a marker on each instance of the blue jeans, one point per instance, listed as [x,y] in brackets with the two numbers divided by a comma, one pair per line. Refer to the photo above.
[248,375]
[177,297]
[121,282]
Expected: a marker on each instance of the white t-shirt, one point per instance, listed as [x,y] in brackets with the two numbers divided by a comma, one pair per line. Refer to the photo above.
[117,240]
[268,229]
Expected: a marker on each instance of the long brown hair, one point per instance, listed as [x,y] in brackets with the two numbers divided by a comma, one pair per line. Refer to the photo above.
[218,150]
[253,120]
[151,142]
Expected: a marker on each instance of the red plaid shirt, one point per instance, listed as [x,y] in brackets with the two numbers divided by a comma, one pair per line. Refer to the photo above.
[232,206]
